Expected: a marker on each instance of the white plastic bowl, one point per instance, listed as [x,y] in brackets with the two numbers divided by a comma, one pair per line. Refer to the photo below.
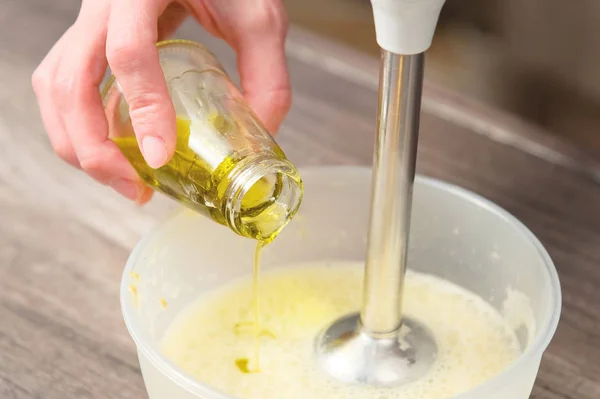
[455,234]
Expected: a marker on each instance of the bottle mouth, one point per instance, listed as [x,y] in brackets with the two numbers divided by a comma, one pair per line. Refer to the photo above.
[263,196]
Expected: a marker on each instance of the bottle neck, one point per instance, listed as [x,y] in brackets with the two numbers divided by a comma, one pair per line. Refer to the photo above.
[263,195]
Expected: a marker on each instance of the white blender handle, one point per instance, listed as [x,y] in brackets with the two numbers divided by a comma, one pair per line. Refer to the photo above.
[406,26]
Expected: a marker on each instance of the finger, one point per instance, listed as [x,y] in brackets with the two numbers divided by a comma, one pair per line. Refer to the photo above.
[133,58]
[77,81]
[263,70]
[41,81]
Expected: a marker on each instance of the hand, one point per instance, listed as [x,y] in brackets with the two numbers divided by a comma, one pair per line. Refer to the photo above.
[123,34]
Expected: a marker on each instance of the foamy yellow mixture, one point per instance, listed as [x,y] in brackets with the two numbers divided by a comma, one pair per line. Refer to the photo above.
[208,337]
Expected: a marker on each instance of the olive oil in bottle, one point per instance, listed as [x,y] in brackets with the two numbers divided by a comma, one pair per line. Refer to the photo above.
[226,165]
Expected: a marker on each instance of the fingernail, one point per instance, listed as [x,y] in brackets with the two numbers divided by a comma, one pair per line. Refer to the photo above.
[155,151]
[127,188]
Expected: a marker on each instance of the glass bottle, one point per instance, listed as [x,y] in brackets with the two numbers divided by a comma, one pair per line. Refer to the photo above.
[226,164]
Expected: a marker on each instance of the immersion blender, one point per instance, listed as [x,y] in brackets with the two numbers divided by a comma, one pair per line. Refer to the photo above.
[379,346]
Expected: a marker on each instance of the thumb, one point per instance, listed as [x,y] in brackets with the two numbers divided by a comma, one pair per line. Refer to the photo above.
[133,57]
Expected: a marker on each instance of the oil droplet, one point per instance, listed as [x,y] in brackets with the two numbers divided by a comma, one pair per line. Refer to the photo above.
[134,275]
[242,365]
[163,303]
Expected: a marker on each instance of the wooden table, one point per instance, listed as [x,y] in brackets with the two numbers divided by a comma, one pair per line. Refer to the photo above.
[65,239]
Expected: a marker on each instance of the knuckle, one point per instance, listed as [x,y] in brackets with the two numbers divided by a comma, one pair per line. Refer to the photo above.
[286,99]
[122,53]
[93,163]
[64,150]
[40,79]
[271,18]
[144,104]
[281,99]
[146,108]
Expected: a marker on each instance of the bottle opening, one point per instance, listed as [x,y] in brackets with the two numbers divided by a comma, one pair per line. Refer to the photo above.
[264,196]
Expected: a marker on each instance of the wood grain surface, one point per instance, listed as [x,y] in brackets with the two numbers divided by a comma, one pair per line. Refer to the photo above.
[64,239]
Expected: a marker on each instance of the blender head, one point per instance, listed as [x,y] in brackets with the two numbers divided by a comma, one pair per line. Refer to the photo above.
[378,346]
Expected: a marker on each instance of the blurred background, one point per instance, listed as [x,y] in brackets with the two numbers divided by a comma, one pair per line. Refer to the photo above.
[539,59]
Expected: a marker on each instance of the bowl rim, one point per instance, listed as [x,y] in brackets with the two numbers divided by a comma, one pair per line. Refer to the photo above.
[542,339]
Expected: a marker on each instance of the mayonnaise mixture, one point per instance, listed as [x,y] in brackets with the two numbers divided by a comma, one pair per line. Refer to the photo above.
[212,336]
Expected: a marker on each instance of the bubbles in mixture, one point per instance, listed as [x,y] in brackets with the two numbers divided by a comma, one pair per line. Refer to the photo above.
[211,335]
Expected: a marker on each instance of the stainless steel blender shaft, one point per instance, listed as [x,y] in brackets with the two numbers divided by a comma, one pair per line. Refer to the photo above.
[379,346]
[391,194]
